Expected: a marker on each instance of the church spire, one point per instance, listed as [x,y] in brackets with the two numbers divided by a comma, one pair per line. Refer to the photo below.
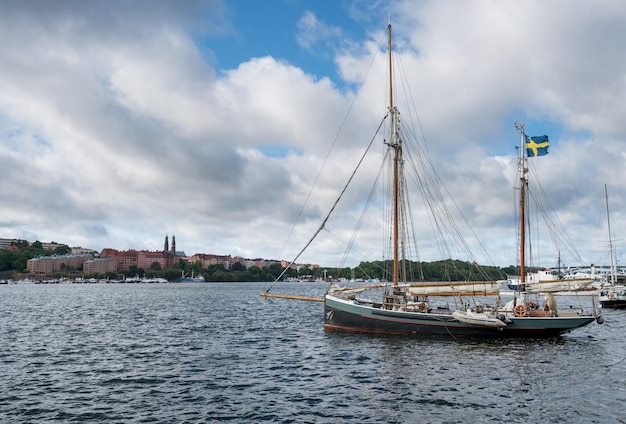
[166,246]
[173,244]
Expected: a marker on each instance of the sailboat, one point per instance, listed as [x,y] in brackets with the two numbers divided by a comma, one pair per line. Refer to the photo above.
[406,306]
[612,295]
[192,279]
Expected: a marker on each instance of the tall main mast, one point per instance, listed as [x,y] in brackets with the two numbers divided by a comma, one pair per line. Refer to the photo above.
[396,144]
[522,207]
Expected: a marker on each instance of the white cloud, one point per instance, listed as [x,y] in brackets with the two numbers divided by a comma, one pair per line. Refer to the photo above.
[313,32]
[114,129]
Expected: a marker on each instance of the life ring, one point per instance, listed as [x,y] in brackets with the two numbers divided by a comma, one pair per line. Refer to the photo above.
[520,310]
[532,305]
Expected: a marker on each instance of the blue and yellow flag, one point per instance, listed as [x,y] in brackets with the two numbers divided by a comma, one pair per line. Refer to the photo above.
[537,146]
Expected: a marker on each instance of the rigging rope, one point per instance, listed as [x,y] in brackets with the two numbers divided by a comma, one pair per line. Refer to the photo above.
[621,360]
[560,238]
[617,363]
[323,224]
[430,182]
[363,213]
[345,119]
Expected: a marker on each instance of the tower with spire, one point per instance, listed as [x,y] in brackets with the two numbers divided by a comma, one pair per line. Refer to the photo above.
[169,255]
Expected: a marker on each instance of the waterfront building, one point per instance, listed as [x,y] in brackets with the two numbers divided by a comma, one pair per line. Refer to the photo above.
[45,266]
[206,260]
[143,258]
[79,250]
[100,266]
[50,246]
[5,242]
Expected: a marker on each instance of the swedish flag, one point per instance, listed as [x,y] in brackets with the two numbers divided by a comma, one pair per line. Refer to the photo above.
[537,146]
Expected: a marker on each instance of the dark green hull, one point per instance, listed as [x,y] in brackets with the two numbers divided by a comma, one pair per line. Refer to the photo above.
[349,316]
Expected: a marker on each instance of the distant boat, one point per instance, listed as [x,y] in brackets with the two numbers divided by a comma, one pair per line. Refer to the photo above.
[134,279]
[613,297]
[405,306]
[192,279]
[544,281]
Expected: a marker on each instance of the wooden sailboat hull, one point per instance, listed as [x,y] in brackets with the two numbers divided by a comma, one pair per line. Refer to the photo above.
[348,315]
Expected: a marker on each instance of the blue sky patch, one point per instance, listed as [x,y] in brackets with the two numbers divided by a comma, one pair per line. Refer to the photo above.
[278,151]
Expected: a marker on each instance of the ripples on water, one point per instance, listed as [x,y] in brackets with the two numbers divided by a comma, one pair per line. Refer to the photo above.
[211,352]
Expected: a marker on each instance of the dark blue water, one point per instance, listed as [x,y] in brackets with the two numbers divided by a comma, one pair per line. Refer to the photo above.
[219,352]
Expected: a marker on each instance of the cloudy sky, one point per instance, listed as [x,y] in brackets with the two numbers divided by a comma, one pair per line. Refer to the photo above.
[124,121]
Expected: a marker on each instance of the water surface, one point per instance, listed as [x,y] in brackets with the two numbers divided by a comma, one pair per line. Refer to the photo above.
[201,352]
